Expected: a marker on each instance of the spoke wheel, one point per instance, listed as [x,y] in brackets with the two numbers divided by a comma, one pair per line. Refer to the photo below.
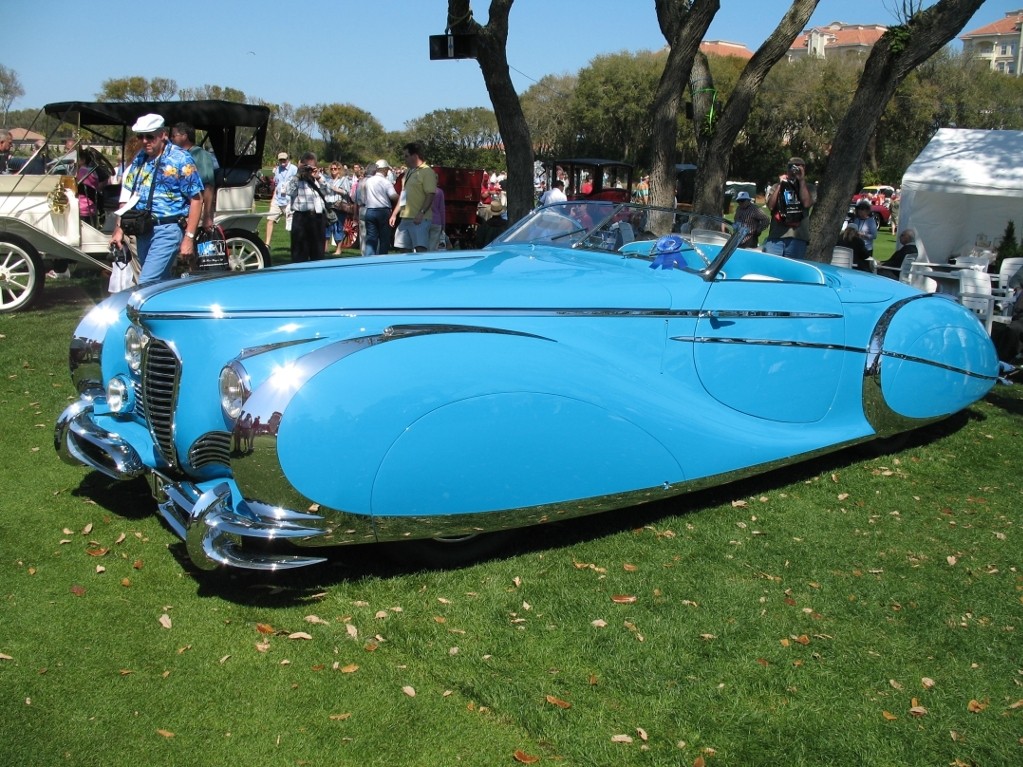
[21,274]
[245,251]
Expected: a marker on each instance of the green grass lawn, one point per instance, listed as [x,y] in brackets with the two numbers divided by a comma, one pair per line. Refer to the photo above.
[849,611]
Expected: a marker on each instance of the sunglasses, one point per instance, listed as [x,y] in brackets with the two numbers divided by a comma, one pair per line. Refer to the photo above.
[145,136]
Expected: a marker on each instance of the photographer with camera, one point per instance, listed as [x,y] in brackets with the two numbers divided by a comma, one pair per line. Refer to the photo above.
[308,205]
[790,202]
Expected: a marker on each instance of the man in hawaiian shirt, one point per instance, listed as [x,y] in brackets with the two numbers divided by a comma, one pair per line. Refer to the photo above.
[165,176]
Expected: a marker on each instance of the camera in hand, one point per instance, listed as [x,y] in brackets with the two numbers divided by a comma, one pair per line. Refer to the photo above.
[793,170]
[305,172]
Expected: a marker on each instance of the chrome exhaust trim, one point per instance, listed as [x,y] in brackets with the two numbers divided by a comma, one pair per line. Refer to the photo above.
[214,532]
[80,442]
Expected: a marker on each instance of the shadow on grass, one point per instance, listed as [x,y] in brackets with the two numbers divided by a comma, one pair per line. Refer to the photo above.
[351,564]
[85,292]
[1010,405]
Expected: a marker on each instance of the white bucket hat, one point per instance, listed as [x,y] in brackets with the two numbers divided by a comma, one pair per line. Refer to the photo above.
[148,124]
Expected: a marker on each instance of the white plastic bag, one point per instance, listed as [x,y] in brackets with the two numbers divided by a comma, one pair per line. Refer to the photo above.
[122,277]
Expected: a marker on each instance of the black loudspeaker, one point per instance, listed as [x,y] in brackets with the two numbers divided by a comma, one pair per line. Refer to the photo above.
[452,47]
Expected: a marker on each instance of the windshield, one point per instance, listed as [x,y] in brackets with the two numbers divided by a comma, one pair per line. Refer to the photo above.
[630,229]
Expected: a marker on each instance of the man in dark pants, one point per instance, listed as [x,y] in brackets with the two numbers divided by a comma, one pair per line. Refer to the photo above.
[308,223]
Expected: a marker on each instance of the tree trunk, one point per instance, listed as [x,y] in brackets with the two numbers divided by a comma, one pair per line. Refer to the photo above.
[894,56]
[716,137]
[491,55]
[683,24]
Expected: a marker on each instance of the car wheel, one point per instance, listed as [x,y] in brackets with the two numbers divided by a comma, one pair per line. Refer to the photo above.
[21,274]
[245,251]
[879,220]
[454,551]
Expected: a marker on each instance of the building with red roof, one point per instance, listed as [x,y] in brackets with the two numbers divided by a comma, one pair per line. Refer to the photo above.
[836,39]
[998,43]
[725,48]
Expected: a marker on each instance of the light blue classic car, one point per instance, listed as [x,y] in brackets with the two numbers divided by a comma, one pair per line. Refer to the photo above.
[595,356]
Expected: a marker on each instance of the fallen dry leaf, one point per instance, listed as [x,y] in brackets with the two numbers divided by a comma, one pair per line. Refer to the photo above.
[642,734]
[889,716]
[624,599]
[340,717]
[976,706]
[409,690]
[621,739]
[264,628]
[918,711]
[524,758]
[351,668]
[165,621]
[299,635]
[599,623]
[558,702]
[78,590]
[316,619]
[927,682]
[166,733]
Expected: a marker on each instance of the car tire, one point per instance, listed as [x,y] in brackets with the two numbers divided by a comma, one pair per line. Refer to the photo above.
[456,551]
[879,220]
[22,275]
[245,251]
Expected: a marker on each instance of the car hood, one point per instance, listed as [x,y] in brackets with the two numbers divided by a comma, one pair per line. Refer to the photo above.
[505,278]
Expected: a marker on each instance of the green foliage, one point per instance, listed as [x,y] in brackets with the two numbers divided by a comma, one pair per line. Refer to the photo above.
[137,88]
[1008,247]
[466,138]
[349,133]
[610,106]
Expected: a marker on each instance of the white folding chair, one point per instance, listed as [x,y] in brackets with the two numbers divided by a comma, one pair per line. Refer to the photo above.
[922,281]
[1007,270]
[907,266]
[841,256]
[975,295]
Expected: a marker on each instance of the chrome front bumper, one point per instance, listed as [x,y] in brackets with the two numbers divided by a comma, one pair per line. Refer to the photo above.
[211,518]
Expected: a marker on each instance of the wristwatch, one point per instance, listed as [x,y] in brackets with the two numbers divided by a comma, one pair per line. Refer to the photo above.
[190,235]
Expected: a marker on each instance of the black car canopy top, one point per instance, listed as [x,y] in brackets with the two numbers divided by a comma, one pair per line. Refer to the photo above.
[236,132]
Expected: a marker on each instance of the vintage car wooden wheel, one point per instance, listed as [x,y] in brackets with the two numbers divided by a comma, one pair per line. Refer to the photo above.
[245,251]
[21,273]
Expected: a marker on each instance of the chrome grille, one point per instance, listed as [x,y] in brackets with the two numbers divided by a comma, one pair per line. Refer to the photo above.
[213,447]
[160,374]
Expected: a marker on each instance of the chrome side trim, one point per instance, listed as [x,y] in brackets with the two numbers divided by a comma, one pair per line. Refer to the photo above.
[503,311]
[766,342]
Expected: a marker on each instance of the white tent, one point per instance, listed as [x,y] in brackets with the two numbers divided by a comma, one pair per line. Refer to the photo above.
[964,184]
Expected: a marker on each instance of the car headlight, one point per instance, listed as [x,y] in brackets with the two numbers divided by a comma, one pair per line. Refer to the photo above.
[234,389]
[133,343]
[120,395]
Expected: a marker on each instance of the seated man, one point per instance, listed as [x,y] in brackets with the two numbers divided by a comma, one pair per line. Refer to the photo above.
[908,247]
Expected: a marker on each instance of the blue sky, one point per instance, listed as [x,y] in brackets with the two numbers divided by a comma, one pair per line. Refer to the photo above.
[370,53]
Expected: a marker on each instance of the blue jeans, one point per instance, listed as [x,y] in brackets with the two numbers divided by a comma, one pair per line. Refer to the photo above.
[158,252]
[378,231]
[789,247]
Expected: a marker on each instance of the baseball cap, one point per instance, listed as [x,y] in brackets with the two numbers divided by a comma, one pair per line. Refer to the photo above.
[282,156]
[742,196]
[797,161]
[148,124]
